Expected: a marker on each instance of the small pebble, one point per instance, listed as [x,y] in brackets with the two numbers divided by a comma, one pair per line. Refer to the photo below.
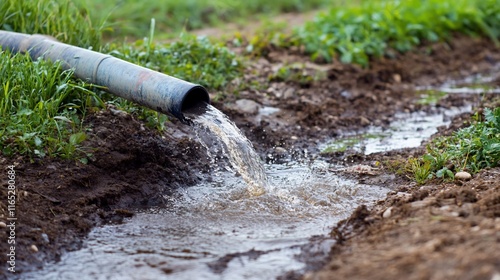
[45,238]
[396,78]
[280,150]
[364,121]
[118,113]
[289,93]
[3,225]
[387,213]
[247,106]
[33,248]
[462,175]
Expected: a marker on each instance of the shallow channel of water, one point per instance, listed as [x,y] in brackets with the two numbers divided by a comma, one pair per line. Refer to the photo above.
[408,130]
[208,225]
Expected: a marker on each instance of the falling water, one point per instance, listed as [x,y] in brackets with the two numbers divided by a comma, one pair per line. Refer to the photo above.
[221,137]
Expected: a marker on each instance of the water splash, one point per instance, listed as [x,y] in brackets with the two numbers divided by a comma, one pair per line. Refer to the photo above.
[221,137]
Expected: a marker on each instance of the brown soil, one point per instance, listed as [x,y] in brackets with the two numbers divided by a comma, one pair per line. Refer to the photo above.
[439,231]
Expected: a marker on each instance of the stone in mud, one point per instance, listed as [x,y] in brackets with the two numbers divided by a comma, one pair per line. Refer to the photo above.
[387,213]
[247,106]
[33,248]
[364,121]
[45,238]
[289,93]
[3,225]
[280,151]
[462,175]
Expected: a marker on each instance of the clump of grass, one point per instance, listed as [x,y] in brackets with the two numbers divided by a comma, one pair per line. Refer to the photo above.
[359,32]
[60,19]
[40,108]
[469,149]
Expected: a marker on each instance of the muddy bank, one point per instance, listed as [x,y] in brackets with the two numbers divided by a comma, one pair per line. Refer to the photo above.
[60,201]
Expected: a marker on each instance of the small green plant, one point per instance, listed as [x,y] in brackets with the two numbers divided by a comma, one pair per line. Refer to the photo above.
[298,73]
[196,59]
[421,170]
[431,97]
[191,58]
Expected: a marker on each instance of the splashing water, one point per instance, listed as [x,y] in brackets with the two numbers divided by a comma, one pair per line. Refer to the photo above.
[220,135]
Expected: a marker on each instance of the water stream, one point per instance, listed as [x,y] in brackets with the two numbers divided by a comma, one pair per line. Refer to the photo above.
[250,226]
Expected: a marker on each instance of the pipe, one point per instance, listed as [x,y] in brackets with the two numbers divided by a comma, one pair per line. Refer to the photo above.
[146,87]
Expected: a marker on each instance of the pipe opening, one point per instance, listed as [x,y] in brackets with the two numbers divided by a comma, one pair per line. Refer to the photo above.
[195,100]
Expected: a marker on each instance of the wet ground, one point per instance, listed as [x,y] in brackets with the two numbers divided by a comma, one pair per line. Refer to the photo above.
[437,231]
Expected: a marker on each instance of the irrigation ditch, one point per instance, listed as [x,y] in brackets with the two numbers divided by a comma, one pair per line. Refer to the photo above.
[378,225]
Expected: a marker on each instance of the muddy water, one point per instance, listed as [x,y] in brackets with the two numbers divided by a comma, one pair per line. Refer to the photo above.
[408,130]
[218,230]
[250,226]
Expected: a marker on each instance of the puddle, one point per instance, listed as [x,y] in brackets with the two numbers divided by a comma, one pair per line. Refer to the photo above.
[407,131]
[217,230]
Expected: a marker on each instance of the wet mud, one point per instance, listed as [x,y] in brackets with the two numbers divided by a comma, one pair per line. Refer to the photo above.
[436,231]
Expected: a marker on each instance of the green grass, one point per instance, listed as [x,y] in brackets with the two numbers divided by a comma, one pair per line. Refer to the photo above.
[131,18]
[41,108]
[357,33]
[60,19]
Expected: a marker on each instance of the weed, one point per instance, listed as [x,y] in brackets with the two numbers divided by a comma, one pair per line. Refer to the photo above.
[421,170]
[299,73]
[431,97]
[191,58]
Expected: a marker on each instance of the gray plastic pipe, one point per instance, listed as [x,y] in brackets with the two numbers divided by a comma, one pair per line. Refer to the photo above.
[152,89]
